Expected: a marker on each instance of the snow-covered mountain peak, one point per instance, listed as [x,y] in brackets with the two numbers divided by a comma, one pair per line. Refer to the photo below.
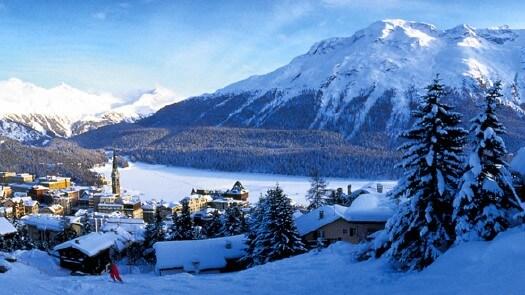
[381,66]
[64,110]
[148,102]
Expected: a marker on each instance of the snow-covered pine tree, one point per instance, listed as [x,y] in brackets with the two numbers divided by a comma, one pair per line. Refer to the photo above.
[183,223]
[213,227]
[422,228]
[154,233]
[486,202]
[279,237]
[255,230]
[315,194]
[233,222]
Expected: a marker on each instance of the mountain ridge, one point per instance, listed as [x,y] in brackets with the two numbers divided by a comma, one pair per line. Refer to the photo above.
[375,76]
[30,113]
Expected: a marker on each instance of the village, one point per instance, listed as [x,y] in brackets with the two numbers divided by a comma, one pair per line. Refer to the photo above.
[87,228]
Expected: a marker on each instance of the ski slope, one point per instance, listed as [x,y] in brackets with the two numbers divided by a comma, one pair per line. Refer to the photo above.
[496,267]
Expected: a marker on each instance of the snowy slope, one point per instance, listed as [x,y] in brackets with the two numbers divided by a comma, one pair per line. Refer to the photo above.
[364,85]
[65,111]
[496,267]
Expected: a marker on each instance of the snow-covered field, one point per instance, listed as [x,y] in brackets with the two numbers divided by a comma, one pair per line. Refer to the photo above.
[174,183]
[496,267]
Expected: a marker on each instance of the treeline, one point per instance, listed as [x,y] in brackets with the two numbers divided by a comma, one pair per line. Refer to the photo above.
[293,152]
[59,158]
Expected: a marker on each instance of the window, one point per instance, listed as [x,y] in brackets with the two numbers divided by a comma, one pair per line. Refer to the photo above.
[345,231]
[352,231]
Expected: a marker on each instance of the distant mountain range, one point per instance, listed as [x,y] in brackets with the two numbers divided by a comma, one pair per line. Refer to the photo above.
[361,87]
[31,113]
[365,86]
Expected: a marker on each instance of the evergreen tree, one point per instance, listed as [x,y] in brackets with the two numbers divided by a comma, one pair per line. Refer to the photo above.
[486,202]
[338,197]
[422,228]
[135,253]
[315,195]
[213,227]
[255,226]
[182,224]
[22,240]
[154,233]
[276,236]
[233,222]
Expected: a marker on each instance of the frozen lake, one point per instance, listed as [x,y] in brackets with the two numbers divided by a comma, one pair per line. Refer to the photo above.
[173,183]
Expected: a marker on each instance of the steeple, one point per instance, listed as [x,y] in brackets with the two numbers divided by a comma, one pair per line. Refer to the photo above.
[115,176]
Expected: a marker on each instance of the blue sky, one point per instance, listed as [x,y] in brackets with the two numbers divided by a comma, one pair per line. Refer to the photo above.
[196,46]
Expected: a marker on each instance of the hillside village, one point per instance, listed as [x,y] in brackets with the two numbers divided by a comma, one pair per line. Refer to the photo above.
[88,227]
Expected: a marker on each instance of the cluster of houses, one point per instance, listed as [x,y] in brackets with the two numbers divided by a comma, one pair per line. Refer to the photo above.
[49,206]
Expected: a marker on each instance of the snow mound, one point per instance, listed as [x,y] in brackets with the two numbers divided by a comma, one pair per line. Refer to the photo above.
[370,207]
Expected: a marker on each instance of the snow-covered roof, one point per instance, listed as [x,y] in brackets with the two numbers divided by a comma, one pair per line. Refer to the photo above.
[518,162]
[197,196]
[319,217]
[209,253]
[372,207]
[368,207]
[6,227]
[44,221]
[133,226]
[49,222]
[93,243]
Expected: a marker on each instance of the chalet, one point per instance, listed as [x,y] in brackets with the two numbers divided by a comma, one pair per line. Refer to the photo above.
[200,256]
[238,192]
[45,228]
[6,228]
[330,223]
[91,253]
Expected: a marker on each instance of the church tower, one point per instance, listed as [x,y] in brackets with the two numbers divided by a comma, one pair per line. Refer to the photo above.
[115,176]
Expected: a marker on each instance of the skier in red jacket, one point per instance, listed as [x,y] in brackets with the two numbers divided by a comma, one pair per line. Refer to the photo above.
[114,273]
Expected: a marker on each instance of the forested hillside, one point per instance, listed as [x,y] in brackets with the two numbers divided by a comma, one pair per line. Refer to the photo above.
[59,158]
[296,152]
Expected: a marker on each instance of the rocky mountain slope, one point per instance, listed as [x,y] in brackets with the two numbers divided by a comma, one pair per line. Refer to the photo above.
[364,86]
[31,113]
